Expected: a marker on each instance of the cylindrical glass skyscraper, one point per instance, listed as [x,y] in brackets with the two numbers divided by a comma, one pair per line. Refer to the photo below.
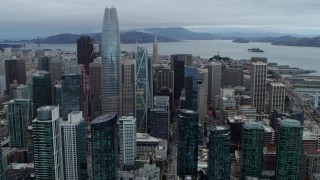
[110,62]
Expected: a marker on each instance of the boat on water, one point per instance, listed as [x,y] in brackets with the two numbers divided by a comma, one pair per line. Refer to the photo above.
[255,50]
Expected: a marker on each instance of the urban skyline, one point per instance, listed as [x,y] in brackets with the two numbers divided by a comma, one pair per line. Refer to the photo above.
[198,122]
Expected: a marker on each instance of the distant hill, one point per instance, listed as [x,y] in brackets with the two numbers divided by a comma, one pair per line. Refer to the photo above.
[290,41]
[125,38]
[240,40]
[174,34]
[183,34]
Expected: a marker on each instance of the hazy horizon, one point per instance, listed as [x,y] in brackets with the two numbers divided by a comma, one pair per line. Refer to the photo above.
[29,19]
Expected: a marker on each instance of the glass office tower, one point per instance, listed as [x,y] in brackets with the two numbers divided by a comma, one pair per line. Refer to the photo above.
[104,133]
[110,62]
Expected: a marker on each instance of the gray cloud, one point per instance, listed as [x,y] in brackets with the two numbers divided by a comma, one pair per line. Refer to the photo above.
[35,17]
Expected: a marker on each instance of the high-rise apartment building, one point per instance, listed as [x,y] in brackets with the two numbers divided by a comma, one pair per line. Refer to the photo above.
[289,149]
[104,134]
[110,62]
[74,146]
[15,70]
[95,85]
[85,52]
[187,154]
[127,141]
[70,94]
[277,95]
[252,150]
[219,162]
[41,90]
[214,81]
[128,83]
[143,90]
[258,85]
[177,66]
[46,136]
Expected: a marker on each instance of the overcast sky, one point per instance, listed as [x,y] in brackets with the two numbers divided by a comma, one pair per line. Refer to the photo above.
[30,18]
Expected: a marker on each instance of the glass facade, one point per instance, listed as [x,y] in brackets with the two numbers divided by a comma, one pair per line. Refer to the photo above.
[187,155]
[177,66]
[19,116]
[41,89]
[70,94]
[46,138]
[104,132]
[252,150]
[143,91]
[219,162]
[110,62]
[191,88]
[289,149]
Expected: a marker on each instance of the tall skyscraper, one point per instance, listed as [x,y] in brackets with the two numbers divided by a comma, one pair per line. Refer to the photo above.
[202,98]
[74,146]
[95,85]
[19,116]
[159,123]
[55,67]
[252,150]
[43,63]
[110,62]
[70,94]
[289,149]
[191,88]
[128,83]
[127,141]
[177,66]
[155,54]
[277,95]
[214,81]
[46,135]
[41,90]
[187,155]
[143,91]
[15,70]
[85,52]
[219,162]
[258,85]
[104,132]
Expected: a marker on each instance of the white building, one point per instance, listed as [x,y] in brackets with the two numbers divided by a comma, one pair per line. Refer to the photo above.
[74,145]
[258,85]
[127,140]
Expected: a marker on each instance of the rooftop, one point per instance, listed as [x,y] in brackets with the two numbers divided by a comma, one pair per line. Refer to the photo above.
[290,123]
[145,137]
[104,118]
[253,125]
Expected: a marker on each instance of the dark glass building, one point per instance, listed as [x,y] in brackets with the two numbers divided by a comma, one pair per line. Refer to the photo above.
[177,66]
[191,88]
[289,149]
[104,133]
[70,94]
[252,150]
[41,89]
[85,52]
[159,123]
[219,162]
[187,155]
[43,63]
[15,70]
